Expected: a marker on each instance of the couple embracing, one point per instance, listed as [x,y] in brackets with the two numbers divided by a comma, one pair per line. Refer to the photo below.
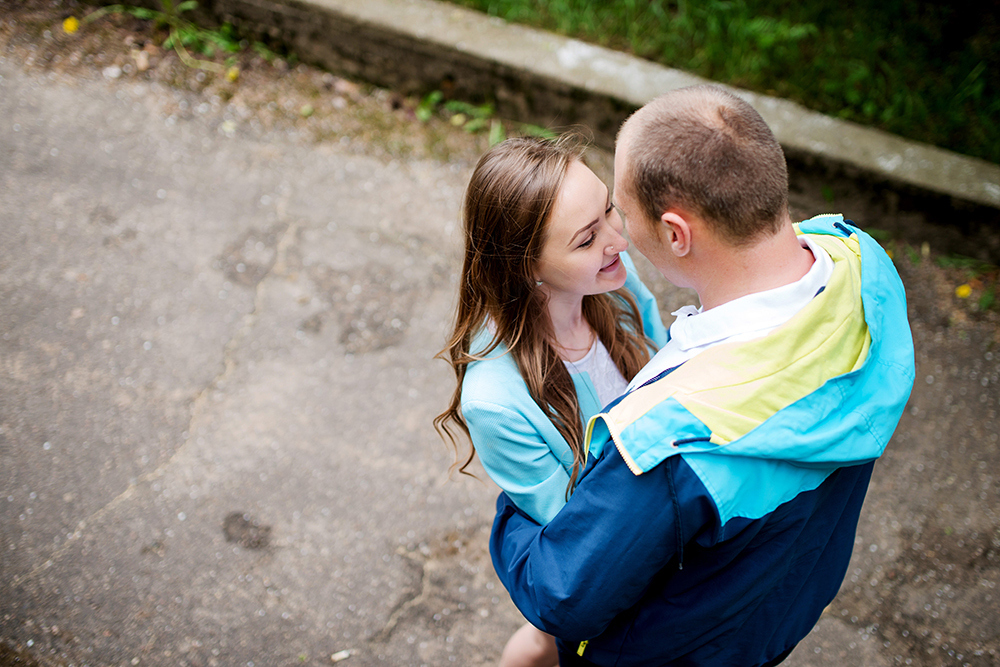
[670,497]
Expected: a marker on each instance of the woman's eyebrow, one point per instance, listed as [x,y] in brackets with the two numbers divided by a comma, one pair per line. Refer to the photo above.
[584,229]
[593,222]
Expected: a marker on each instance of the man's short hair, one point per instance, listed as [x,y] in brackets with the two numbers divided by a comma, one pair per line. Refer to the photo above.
[706,150]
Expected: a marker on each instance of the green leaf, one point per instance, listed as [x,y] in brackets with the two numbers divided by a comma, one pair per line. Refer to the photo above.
[497,133]
[458,106]
[475,125]
[426,108]
[146,14]
[536,131]
[224,42]
[987,300]
[434,98]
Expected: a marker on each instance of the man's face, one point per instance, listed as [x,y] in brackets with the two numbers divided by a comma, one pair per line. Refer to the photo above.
[640,230]
[650,237]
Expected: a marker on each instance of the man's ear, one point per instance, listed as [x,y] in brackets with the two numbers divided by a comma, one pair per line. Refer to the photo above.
[676,230]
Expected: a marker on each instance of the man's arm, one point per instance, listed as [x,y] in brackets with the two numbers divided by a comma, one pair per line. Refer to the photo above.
[597,556]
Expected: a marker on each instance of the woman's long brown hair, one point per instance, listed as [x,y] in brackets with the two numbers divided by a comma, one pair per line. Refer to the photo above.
[507,207]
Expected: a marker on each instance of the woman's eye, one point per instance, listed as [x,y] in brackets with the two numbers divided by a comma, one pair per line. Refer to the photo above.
[589,241]
[607,211]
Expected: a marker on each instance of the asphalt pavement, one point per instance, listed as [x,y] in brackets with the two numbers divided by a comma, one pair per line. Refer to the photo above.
[216,391]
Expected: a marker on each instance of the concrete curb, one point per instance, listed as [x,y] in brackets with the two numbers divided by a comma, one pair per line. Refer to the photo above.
[419,45]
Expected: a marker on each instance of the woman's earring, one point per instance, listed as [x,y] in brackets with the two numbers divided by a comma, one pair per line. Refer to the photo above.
[538,283]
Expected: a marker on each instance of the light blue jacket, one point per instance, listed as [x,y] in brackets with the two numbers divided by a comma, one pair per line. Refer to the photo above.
[518,445]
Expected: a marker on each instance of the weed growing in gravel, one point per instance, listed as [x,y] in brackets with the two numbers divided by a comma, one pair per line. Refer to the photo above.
[980,279]
[183,34]
[474,118]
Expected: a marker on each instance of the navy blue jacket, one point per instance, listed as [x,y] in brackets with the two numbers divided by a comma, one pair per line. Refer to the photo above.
[716,519]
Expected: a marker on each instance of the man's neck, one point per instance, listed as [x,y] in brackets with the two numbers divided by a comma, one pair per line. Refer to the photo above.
[730,273]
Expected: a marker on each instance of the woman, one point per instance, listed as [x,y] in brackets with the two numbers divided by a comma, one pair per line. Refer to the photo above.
[552,323]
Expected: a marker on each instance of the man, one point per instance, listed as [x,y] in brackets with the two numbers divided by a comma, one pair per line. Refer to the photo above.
[718,511]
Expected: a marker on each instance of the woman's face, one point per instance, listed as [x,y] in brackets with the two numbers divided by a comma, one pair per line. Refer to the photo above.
[584,236]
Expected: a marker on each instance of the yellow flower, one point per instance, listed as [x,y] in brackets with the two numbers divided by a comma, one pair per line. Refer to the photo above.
[963,291]
[233,73]
[71,25]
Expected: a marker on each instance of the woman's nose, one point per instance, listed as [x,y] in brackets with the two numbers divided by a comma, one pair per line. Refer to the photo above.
[617,242]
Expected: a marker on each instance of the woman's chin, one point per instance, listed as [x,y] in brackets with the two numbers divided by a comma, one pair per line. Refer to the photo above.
[614,275]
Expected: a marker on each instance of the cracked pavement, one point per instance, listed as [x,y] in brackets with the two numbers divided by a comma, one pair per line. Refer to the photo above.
[217,386]
[217,391]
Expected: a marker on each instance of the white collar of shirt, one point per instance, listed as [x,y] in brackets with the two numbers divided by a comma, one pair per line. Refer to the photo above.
[748,317]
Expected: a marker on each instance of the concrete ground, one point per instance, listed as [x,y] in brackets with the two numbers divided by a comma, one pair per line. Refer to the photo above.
[217,385]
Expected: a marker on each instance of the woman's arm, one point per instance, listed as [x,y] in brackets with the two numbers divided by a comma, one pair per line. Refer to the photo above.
[518,458]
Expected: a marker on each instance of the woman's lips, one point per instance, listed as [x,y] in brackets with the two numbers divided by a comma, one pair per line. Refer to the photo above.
[612,265]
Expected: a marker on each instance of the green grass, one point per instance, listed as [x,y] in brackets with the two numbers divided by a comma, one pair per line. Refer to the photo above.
[925,70]
[183,34]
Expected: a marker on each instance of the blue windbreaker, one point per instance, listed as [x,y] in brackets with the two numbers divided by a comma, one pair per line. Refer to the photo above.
[718,511]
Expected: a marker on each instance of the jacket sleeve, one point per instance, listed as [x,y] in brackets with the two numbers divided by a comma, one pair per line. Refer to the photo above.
[649,309]
[596,557]
[517,458]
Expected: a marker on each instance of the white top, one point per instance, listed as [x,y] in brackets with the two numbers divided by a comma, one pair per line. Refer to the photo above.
[748,317]
[604,374]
